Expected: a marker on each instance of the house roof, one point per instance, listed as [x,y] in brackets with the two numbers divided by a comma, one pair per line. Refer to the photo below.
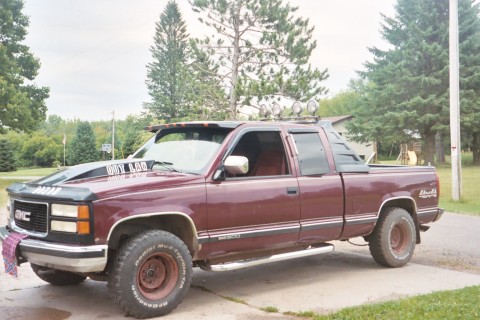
[338,118]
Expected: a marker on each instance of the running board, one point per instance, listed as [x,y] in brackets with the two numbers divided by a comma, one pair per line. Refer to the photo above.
[311,251]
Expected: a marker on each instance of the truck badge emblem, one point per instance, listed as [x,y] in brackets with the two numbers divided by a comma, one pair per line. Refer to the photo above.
[424,194]
[22,215]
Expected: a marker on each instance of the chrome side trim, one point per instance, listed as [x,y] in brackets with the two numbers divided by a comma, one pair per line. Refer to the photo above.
[321,225]
[250,234]
[351,222]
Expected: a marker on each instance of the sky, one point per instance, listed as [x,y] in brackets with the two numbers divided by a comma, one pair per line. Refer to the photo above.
[93,53]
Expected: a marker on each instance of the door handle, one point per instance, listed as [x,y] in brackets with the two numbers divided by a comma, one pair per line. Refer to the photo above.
[292,190]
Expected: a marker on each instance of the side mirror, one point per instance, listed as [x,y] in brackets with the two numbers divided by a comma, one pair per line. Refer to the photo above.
[236,165]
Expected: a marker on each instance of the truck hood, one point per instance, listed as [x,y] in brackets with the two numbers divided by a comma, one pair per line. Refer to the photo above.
[91,181]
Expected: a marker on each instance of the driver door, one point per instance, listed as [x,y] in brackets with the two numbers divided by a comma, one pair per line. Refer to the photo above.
[258,210]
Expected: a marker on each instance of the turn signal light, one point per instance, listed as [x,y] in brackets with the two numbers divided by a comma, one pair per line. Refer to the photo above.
[83,227]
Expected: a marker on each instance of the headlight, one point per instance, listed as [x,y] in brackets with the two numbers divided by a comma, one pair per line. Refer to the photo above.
[64,210]
[64,226]
[70,218]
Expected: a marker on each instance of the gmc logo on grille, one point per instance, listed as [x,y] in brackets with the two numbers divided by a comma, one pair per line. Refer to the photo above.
[22,215]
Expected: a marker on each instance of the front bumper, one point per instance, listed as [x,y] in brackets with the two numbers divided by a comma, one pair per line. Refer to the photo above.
[60,256]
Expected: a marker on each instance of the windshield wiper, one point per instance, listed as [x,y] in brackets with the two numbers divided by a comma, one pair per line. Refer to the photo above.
[167,165]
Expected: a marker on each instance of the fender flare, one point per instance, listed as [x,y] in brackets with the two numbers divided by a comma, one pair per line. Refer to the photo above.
[413,211]
[196,246]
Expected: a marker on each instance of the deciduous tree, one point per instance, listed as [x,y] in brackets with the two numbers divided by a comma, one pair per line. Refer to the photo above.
[40,150]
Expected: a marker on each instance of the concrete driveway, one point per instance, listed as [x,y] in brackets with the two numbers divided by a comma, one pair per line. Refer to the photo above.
[347,277]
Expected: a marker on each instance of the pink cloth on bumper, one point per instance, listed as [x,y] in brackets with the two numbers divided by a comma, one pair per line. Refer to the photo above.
[8,252]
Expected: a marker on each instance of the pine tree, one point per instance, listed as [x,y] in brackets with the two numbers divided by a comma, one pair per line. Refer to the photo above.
[263,51]
[408,91]
[22,105]
[469,37]
[7,158]
[168,75]
[83,149]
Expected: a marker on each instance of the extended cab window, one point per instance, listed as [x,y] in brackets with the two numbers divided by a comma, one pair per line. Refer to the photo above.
[311,154]
[265,153]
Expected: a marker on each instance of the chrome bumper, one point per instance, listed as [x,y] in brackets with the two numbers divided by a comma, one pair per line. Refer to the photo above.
[60,256]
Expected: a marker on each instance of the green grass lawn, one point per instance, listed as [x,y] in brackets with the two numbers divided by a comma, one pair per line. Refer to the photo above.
[446,305]
[38,172]
[470,202]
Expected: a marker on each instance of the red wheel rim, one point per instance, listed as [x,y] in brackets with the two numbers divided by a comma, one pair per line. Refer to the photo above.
[399,238]
[157,276]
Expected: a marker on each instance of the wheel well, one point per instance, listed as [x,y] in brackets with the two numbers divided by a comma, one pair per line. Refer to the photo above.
[407,204]
[175,224]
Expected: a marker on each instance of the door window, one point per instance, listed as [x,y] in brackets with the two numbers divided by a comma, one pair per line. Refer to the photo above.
[265,153]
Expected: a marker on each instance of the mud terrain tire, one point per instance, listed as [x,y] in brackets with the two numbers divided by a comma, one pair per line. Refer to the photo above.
[392,242]
[151,274]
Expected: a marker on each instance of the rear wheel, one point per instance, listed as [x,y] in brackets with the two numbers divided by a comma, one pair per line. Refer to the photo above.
[151,274]
[57,277]
[392,242]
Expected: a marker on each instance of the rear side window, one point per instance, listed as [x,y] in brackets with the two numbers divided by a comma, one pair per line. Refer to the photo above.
[311,154]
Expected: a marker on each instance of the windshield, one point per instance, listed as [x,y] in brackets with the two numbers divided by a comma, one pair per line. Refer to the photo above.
[187,150]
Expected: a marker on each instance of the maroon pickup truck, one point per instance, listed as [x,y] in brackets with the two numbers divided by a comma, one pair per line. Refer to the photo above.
[219,196]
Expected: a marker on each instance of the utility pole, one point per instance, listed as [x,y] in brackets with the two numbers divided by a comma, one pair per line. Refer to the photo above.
[113,135]
[456,147]
[64,141]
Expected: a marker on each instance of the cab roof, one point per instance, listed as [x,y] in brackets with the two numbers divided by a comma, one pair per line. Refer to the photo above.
[196,124]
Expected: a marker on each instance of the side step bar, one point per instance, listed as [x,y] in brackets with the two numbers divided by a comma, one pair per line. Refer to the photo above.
[323,248]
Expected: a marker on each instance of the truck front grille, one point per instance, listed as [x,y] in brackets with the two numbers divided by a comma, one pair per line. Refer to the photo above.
[31,216]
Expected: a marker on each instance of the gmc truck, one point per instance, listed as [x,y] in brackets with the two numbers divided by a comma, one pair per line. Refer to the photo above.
[219,196]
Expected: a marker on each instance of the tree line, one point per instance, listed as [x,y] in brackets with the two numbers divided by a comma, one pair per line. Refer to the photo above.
[80,140]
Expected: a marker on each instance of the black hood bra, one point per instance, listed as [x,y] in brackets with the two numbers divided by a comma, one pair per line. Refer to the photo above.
[49,186]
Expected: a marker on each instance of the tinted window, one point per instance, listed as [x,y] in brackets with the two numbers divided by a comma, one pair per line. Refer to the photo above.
[311,154]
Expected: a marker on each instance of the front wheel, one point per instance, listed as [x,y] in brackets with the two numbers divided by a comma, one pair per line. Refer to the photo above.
[392,242]
[151,274]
